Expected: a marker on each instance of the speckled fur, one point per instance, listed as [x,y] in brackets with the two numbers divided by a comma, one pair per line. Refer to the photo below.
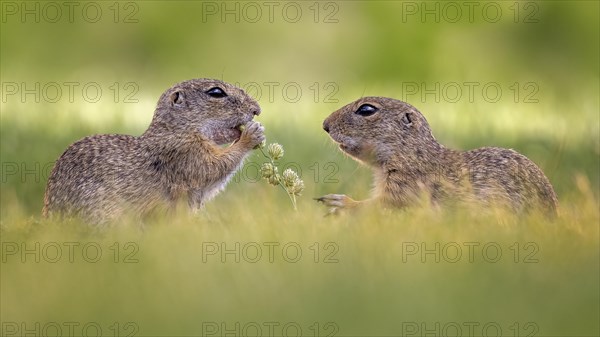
[102,177]
[408,162]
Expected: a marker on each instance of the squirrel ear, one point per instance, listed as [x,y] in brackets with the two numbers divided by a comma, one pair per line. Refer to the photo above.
[406,121]
[176,98]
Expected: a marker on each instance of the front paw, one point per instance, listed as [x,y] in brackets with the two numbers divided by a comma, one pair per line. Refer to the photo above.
[253,135]
[336,202]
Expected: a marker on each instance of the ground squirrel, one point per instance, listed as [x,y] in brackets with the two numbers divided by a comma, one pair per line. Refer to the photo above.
[179,157]
[394,138]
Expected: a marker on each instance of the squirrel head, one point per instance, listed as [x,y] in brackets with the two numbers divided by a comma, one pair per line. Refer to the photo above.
[212,108]
[380,131]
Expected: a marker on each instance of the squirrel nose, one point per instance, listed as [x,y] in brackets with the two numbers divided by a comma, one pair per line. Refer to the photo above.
[326,127]
[256,112]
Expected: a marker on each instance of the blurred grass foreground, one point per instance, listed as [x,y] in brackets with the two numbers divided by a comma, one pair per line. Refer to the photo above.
[525,77]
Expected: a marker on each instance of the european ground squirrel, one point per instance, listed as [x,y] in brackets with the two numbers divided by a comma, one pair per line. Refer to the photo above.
[395,140]
[179,157]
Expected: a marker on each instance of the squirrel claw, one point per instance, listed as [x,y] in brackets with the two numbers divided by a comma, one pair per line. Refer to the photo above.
[331,210]
[253,134]
[335,202]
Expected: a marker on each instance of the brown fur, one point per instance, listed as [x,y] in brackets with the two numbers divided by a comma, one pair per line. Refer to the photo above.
[396,141]
[102,177]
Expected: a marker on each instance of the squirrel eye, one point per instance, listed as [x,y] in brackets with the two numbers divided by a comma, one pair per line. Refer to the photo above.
[216,92]
[366,110]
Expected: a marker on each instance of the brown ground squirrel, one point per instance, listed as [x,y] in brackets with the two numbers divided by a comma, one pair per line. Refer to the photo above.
[179,156]
[394,138]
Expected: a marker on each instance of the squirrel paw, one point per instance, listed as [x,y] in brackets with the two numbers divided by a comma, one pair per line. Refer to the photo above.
[335,202]
[253,134]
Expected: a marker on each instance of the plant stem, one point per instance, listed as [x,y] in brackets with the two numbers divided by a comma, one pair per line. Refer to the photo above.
[291,196]
[263,153]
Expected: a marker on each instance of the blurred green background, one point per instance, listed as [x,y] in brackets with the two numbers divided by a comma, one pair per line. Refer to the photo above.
[521,75]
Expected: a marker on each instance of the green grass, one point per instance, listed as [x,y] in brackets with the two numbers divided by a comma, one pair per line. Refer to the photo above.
[362,281]
[547,272]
